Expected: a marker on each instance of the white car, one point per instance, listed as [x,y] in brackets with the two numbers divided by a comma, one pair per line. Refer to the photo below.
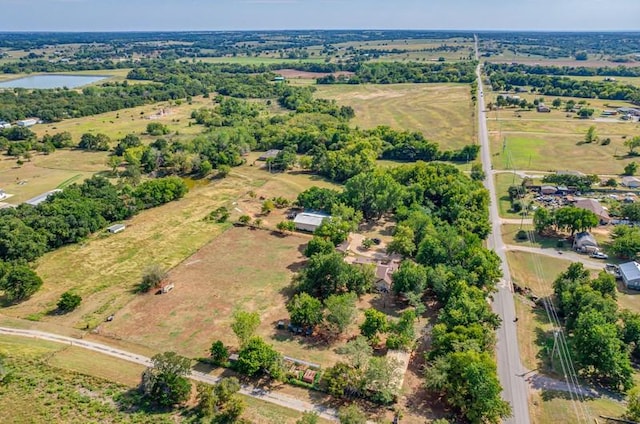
[599,255]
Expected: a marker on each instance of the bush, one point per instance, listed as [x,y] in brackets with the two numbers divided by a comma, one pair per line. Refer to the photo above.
[219,353]
[151,278]
[522,235]
[68,302]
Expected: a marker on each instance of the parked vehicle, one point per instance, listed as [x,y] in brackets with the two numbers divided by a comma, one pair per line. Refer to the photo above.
[599,255]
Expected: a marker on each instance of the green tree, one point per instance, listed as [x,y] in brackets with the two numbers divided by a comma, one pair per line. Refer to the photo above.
[114,162]
[165,383]
[351,414]
[633,404]
[256,356]
[223,171]
[219,353]
[19,283]
[374,324]
[557,102]
[341,312]
[469,383]
[477,173]
[268,206]
[599,352]
[305,310]
[156,129]
[632,144]
[245,325]
[543,220]
[575,219]
[409,278]
[374,193]
[381,379]
[630,168]
[286,226]
[592,135]
[358,351]
[626,241]
[152,277]
[206,399]
[68,302]
[318,245]
[341,379]
[244,219]
[403,241]
[308,418]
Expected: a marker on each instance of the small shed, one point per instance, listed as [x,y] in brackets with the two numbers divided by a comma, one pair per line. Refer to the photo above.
[543,108]
[585,242]
[310,221]
[116,228]
[269,154]
[630,273]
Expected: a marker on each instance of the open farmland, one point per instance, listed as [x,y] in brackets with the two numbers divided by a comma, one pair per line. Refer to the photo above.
[442,112]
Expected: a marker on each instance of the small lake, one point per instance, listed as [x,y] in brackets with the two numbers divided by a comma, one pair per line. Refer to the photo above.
[52,81]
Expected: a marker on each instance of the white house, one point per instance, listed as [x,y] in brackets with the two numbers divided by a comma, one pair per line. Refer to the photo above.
[309,221]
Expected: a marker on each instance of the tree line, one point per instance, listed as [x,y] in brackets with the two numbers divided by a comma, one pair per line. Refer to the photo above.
[27,232]
[409,72]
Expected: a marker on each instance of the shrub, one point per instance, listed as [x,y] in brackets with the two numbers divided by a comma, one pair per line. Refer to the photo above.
[152,277]
[68,302]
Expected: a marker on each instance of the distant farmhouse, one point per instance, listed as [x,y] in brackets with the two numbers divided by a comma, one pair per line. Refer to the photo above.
[543,108]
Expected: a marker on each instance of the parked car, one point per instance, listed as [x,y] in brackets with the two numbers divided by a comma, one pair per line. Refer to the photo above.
[599,255]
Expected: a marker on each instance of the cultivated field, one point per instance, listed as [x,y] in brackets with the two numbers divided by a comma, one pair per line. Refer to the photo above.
[442,112]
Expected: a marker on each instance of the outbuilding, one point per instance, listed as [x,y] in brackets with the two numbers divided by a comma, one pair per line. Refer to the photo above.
[548,189]
[631,182]
[27,122]
[116,228]
[35,201]
[594,206]
[630,273]
[310,221]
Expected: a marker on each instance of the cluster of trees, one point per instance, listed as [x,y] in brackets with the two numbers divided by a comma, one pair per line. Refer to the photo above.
[563,86]
[601,337]
[567,218]
[580,182]
[626,241]
[400,72]
[27,232]
[336,313]
[578,71]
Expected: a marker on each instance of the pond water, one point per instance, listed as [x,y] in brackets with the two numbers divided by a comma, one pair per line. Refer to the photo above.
[52,81]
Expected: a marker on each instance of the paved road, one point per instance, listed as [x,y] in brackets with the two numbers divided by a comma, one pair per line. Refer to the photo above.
[510,369]
[247,390]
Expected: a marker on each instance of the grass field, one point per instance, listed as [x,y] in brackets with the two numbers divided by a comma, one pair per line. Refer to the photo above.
[554,141]
[442,112]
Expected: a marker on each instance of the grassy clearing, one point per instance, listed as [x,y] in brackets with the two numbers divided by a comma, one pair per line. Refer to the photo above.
[555,407]
[442,112]
[503,181]
[117,124]
[552,141]
[523,266]
[509,236]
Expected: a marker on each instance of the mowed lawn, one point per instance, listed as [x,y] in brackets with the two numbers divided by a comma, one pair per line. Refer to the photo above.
[442,112]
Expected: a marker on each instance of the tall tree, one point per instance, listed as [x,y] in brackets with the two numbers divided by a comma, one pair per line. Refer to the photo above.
[245,325]
[165,383]
[305,310]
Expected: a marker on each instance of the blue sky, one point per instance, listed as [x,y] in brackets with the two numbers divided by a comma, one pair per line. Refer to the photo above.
[143,15]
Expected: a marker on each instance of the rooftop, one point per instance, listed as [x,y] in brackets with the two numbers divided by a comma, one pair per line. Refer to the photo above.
[35,201]
[630,270]
[311,218]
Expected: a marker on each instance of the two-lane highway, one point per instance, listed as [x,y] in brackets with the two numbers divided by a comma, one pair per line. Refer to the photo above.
[510,369]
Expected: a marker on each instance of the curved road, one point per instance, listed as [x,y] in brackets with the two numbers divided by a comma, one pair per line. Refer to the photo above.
[510,369]
[247,390]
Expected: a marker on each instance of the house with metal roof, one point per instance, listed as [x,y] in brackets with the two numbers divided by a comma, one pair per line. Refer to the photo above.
[35,201]
[594,206]
[310,221]
[630,273]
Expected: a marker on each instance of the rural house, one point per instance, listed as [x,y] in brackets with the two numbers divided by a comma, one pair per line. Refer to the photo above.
[631,182]
[383,276]
[630,273]
[585,242]
[548,189]
[309,221]
[594,206]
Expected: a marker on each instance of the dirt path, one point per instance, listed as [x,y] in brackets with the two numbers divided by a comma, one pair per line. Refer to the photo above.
[246,389]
